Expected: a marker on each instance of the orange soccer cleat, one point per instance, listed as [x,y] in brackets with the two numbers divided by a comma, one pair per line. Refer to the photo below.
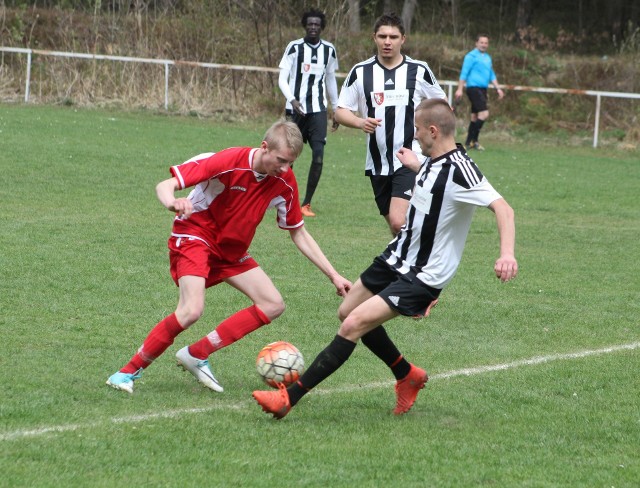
[407,389]
[306,210]
[274,402]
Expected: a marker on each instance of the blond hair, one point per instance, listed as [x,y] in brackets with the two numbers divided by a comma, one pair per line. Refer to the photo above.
[284,133]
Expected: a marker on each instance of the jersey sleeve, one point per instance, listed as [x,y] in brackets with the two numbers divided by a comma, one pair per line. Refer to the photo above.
[472,187]
[287,57]
[429,86]
[287,205]
[350,92]
[190,172]
[466,66]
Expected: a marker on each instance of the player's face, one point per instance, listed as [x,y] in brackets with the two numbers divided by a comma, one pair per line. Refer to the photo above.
[424,136]
[313,28]
[274,162]
[482,44]
[389,42]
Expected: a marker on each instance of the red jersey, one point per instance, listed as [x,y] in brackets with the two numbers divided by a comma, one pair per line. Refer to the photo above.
[230,200]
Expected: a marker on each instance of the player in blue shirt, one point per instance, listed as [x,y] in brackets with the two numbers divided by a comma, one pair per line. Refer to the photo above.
[477,74]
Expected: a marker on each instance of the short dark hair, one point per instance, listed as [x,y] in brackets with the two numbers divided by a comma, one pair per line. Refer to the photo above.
[481,35]
[314,13]
[390,19]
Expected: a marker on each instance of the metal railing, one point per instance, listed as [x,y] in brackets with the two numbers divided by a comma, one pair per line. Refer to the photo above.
[168,62]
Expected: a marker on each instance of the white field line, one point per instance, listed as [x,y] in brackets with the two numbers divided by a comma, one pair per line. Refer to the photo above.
[21,434]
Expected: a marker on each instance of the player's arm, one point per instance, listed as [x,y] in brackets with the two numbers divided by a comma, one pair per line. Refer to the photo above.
[495,83]
[283,83]
[165,190]
[309,247]
[461,85]
[332,94]
[346,117]
[506,266]
[464,72]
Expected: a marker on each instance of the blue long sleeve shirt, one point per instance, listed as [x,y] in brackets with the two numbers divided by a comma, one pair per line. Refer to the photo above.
[477,69]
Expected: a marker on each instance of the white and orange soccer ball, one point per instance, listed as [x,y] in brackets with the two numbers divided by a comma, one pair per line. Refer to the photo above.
[280,362]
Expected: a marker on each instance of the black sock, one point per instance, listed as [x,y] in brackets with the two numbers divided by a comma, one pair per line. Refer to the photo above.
[479,124]
[470,133]
[325,364]
[380,344]
[312,183]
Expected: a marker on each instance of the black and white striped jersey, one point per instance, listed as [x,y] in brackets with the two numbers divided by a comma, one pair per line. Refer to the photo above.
[392,96]
[307,67]
[447,191]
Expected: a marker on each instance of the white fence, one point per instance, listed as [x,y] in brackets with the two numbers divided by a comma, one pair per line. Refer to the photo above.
[167,63]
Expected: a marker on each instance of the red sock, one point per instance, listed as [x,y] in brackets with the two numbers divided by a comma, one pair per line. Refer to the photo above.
[229,331]
[157,342]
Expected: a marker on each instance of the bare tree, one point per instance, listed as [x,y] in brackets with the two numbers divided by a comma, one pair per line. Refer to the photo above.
[523,18]
[354,16]
[408,9]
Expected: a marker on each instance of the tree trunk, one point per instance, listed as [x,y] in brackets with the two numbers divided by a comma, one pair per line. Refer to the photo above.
[523,18]
[354,16]
[455,16]
[408,9]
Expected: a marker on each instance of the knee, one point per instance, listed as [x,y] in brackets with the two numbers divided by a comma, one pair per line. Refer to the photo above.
[187,315]
[317,153]
[351,328]
[343,312]
[273,308]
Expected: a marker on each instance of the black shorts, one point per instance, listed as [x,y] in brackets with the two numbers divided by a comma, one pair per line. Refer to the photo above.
[399,184]
[478,98]
[313,126]
[407,296]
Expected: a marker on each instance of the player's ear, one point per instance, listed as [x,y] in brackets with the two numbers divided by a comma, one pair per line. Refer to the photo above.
[264,145]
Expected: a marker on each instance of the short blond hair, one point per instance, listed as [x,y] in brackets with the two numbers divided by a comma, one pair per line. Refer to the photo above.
[284,133]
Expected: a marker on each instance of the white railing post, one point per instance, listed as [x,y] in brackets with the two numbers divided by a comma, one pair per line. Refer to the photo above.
[166,85]
[597,122]
[27,81]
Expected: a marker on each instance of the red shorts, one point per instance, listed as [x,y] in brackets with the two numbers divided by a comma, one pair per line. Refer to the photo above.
[192,257]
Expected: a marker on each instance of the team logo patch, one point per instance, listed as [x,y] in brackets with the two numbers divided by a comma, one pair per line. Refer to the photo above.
[378,98]
[306,67]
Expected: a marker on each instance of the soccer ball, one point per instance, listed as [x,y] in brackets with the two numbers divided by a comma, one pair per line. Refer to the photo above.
[280,362]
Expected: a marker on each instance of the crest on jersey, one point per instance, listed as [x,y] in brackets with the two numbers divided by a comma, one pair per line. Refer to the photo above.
[378,98]
[306,67]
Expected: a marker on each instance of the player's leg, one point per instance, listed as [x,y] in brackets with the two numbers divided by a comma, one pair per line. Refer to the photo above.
[362,319]
[317,136]
[472,119]
[186,257]
[478,97]
[357,295]
[267,306]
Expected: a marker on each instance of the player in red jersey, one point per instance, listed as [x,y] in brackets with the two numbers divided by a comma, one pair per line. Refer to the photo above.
[212,231]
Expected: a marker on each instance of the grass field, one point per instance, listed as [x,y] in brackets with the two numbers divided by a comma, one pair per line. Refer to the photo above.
[534,382]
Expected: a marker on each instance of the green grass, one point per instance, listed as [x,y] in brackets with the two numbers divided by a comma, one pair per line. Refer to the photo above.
[85,276]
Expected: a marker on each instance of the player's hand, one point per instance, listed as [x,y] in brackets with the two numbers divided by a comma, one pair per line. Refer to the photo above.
[297,107]
[408,159]
[369,125]
[500,94]
[342,285]
[182,207]
[334,124]
[506,268]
